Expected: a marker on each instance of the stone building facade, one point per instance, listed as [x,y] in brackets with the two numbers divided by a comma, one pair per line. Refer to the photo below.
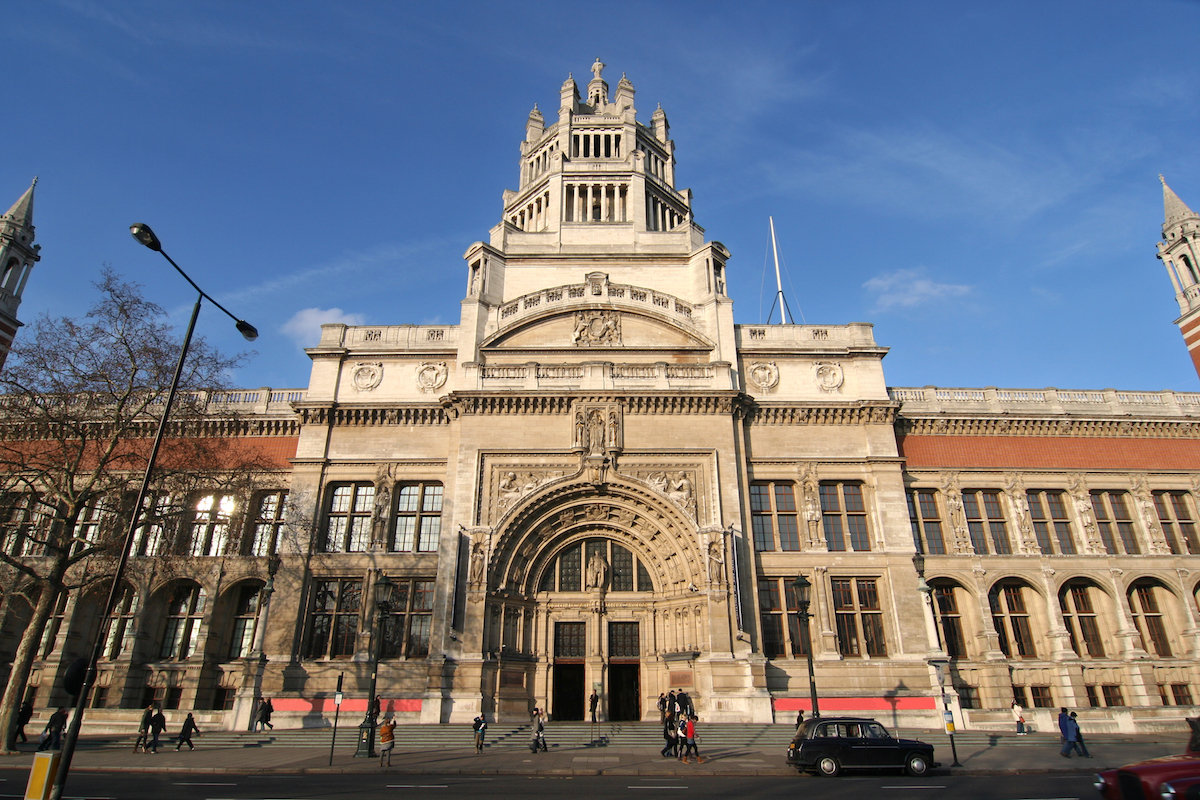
[597,480]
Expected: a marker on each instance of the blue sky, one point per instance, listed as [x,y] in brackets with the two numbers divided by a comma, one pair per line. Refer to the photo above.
[979,180]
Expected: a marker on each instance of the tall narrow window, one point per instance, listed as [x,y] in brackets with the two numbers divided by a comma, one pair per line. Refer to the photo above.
[1177,522]
[348,523]
[245,620]
[985,523]
[1114,523]
[333,623]
[118,628]
[93,524]
[859,617]
[407,627]
[270,509]
[54,625]
[773,511]
[1011,619]
[418,518]
[210,525]
[569,640]
[625,572]
[1148,616]
[185,612]
[623,640]
[949,619]
[771,614]
[926,522]
[159,520]
[844,516]
[1051,525]
[1080,616]
[25,525]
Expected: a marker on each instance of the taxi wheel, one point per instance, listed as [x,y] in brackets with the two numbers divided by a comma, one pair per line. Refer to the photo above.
[829,766]
[917,765]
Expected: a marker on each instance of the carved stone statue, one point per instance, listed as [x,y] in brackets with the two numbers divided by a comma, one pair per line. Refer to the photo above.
[379,518]
[597,571]
[595,433]
[681,490]
[716,560]
[580,431]
[612,429]
[477,563]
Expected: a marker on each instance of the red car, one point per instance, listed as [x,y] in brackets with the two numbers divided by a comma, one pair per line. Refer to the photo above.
[1166,778]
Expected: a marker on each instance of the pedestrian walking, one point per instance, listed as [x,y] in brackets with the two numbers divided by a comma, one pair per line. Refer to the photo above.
[144,729]
[480,726]
[1077,742]
[24,714]
[158,724]
[593,701]
[672,706]
[662,708]
[685,704]
[538,742]
[1018,717]
[185,733]
[265,709]
[1066,732]
[52,736]
[799,718]
[387,740]
[691,747]
[681,736]
[670,735]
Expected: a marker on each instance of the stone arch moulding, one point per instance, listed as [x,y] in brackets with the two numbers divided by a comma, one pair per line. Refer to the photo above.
[686,330]
[658,532]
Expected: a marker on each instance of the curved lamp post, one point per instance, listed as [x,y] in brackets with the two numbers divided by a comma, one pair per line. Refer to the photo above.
[146,236]
[803,599]
[366,729]
[941,665]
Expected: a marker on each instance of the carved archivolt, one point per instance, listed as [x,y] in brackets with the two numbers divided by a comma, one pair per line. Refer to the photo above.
[665,541]
[367,375]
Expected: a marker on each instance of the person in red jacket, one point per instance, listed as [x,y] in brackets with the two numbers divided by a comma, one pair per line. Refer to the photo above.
[691,741]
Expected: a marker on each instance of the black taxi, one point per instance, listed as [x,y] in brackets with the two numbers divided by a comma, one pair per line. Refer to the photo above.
[827,745]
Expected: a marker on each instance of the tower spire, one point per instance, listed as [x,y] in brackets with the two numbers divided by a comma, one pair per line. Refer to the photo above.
[1174,209]
[21,212]
[18,254]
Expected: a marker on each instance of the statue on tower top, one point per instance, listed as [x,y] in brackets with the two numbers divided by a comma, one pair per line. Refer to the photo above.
[598,67]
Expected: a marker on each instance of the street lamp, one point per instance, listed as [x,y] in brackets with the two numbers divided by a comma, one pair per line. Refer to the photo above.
[146,236]
[260,634]
[366,729]
[942,667]
[803,598]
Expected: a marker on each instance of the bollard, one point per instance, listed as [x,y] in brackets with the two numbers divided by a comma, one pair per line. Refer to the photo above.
[41,774]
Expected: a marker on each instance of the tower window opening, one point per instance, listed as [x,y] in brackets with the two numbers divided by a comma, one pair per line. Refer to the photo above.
[617,146]
[575,146]
[1187,262]
[608,146]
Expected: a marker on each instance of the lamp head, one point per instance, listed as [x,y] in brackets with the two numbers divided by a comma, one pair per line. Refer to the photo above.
[143,234]
[273,562]
[248,331]
[383,594]
[919,564]
[803,592]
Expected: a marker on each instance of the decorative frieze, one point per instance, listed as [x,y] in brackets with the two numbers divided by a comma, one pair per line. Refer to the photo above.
[1084,428]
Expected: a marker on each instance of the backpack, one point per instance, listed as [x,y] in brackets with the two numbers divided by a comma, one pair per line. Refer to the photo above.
[475,725]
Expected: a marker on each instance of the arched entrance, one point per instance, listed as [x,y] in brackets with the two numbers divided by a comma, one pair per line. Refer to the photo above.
[593,590]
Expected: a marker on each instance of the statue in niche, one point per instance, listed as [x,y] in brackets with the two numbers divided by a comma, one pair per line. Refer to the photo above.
[379,519]
[716,560]
[597,571]
[580,431]
[477,563]
[612,429]
[595,433]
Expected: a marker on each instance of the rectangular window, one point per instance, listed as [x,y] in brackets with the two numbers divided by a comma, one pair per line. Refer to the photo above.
[926,522]
[1112,695]
[157,524]
[1020,696]
[844,515]
[859,617]
[569,640]
[1011,620]
[269,511]
[1051,525]
[406,628]
[570,568]
[1080,617]
[950,620]
[1177,523]
[1114,523]
[773,510]
[985,523]
[623,640]
[1041,697]
[94,523]
[100,698]
[223,698]
[348,519]
[1182,694]
[333,623]
[209,530]
[418,518]
[1148,618]
[1092,698]
[25,524]
[968,697]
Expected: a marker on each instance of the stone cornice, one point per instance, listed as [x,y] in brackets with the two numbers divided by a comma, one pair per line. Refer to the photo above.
[860,413]
[1067,427]
[358,416]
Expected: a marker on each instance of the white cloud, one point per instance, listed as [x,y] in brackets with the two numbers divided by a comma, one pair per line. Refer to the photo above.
[908,288]
[305,324]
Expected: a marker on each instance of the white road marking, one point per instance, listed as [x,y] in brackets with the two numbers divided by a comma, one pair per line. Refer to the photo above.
[910,786]
[417,786]
[656,787]
[205,784]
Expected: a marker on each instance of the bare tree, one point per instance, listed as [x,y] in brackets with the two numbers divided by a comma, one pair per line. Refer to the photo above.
[80,400]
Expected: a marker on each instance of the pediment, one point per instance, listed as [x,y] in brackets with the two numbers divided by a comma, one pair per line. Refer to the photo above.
[596,329]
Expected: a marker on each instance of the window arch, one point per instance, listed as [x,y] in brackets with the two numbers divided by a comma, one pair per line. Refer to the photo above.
[1147,604]
[1078,601]
[565,572]
[1187,263]
[185,612]
[1010,615]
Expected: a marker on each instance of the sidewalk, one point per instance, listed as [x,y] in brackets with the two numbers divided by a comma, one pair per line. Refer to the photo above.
[1002,756]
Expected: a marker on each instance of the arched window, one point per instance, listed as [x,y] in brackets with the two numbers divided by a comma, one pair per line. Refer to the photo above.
[1010,615]
[1145,603]
[118,628]
[54,625]
[625,572]
[1079,613]
[9,269]
[949,617]
[210,525]
[185,612]
[1187,263]
[245,619]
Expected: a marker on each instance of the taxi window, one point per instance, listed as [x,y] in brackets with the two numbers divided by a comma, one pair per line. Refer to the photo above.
[848,730]
[875,731]
[824,732]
